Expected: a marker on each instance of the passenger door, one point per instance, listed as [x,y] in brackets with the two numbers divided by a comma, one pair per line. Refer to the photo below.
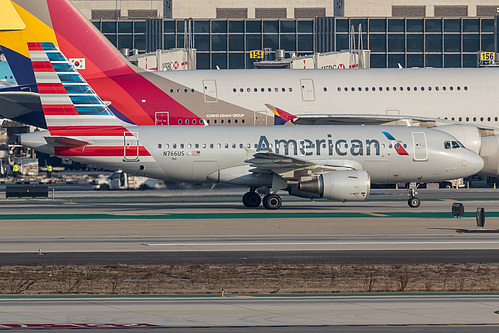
[307,90]
[131,147]
[420,147]
[210,91]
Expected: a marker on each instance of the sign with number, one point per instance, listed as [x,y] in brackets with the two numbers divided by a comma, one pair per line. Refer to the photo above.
[487,56]
[256,54]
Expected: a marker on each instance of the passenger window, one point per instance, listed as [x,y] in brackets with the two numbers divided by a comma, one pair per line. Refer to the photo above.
[196,145]
[474,118]
[180,121]
[221,121]
[167,145]
[387,88]
[241,145]
[269,89]
[187,121]
[263,89]
[444,88]
[171,91]
[458,88]
[481,118]
[394,88]
[339,89]
[408,88]
[214,121]
[422,88]
[211,145]
[255,90]
[359,89]
[346,89]
[290,89]
[189,145]
[182,145]
[219,145]
[436,88]
[429,88]
[415,88]
[366,89]
[380,89]
[194,121]
[228,121]
[243,121]
[467,118]
[248,90]
[401,88]
[159,145]
[353,89]
[226,146]
[233,145]
[276,89]
[174,146]
[204,145]
[284,89]
[235,121]
[465,88]
[185,90]
[451,88]
[241,89]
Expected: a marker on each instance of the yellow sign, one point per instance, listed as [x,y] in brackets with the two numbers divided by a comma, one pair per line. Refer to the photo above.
[487,56]
[256,54]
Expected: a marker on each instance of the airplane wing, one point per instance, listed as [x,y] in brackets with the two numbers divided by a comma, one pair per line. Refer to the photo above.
[296,168]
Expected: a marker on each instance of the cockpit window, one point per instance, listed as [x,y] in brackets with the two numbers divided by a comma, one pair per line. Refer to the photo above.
[453,145]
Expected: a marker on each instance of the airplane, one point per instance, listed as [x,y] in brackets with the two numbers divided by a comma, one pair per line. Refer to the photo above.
[331,162]
[444,98]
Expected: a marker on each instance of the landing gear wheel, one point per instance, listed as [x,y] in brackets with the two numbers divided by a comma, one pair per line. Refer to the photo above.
[252,199]
[414,202]
[272,201]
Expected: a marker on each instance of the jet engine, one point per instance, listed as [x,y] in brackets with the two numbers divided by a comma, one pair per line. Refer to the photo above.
[490,155]
[337,185]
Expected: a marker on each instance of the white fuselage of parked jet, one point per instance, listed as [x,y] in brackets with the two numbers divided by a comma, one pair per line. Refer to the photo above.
[462,95]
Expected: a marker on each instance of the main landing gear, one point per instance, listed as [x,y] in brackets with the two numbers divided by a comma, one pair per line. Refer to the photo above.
[252,199]
[414,202]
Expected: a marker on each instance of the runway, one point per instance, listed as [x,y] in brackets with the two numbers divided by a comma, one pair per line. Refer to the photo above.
[170,227]
[165,227]
[294,313]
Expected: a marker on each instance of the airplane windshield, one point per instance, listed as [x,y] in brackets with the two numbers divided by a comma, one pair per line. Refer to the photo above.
[453,145]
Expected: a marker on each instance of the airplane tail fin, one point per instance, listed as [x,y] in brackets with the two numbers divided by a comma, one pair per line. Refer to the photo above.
[58,22]
[281,117]
[68,102]
[136,95]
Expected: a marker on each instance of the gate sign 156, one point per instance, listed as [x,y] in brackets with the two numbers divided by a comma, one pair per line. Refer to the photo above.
[487,56]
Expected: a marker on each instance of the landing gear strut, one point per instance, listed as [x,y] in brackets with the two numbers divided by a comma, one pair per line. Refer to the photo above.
[252,199]
[414,202]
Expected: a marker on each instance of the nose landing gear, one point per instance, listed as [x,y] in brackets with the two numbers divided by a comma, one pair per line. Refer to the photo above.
[414,202]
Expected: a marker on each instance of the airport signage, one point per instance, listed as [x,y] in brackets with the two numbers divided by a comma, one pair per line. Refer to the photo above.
[256,54]
[487,56]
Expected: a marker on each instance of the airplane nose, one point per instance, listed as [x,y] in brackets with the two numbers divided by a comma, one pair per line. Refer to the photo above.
[474,162]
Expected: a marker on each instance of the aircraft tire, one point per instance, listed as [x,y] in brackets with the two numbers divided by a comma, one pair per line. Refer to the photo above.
[272,201]
[414,202]
[251,199]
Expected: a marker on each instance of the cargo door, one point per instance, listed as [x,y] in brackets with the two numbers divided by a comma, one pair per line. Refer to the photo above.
[307,90]
[420,147]
[210,91]
[131,147]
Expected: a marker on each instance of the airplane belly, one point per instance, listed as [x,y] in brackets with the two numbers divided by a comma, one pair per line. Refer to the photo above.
[379,170]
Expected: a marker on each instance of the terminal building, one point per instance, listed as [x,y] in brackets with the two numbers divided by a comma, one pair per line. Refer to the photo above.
[440,33]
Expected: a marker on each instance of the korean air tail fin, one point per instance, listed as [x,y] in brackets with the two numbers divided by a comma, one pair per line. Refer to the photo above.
[69,103]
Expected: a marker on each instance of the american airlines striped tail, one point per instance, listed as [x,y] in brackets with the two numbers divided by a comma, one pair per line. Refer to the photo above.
[67,100]
[79,122]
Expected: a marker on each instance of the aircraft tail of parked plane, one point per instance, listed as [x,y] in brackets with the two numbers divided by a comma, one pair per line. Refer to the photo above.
[137,96]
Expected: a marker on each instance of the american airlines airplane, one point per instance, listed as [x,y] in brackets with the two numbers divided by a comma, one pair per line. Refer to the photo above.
[331,162]
[459,101]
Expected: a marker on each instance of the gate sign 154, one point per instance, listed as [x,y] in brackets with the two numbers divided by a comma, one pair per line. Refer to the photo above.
[256,54]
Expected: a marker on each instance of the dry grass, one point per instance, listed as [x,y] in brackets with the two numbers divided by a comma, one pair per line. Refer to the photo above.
[247,279]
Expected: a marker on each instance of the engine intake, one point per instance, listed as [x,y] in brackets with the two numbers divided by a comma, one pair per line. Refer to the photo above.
[339,185]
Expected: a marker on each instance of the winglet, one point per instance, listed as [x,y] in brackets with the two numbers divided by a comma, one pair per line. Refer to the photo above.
[281,117]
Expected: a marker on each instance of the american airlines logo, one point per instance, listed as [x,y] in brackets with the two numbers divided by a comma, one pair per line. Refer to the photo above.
[328,146]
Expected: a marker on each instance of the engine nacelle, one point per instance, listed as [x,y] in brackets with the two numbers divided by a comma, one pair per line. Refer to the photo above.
[468,135]
[352,185]
[490,155]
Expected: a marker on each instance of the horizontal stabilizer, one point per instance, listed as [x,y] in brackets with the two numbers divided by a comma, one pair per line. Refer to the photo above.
[65,141]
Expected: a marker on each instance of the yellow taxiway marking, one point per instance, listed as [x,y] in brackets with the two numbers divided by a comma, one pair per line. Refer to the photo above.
[374,214]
